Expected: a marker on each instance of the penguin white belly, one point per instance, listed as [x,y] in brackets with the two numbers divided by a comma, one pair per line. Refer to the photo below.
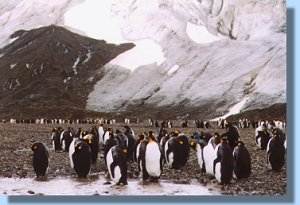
[218,172]
[61,136]
[138,151]
[210,155]
[199,155]
[171,159]
[268,155]
[165,154]
[100,133]
[259,142]
[71,152]
[285,144]
[106,137]
[64,145]
[268,145]
[152,159]
[53,144]
[116,170]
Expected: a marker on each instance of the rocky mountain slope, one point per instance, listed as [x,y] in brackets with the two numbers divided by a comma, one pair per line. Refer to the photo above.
[50,71]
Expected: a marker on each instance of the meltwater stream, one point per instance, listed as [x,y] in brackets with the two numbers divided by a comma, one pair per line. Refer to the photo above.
[73,186]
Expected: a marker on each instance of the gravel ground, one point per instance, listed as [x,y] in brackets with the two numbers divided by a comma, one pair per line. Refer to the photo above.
[16,156]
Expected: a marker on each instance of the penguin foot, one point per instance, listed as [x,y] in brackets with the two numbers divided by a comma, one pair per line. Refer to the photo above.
[122,183]
[41,178]
[154,179]
[107,175]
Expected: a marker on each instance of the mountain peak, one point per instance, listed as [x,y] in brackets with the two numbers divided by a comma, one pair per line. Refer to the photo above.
[52,66]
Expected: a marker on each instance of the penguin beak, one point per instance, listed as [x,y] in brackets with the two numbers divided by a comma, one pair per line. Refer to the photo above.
[79,147]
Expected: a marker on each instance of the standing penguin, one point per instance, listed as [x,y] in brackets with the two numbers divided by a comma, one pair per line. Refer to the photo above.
[232,135]
[66,138]
[129,133]
[100,133]
[116,162]
[55,138]
[40,160]
[80,157]
[223,164]
[150,158]
[137,147]
[276,152]
[177,150]
[262,137]
[92,139]
[242,161]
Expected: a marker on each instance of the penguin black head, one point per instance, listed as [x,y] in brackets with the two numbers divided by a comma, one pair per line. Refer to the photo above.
[37,147]
[240,144]
[193,144]
[229,124]
[141,137]
[176,133]
[217,138]
[151,136]
[224,139]
[79,145]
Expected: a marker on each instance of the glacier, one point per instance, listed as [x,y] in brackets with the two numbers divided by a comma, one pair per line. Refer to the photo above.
[195,53]
[244,57]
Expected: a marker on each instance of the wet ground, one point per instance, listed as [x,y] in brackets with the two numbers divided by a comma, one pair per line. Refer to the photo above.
[98,186]
[17,176]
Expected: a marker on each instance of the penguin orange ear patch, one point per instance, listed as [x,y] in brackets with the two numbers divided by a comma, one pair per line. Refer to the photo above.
[180,142]
[125,150]
[34,147]
[192,143]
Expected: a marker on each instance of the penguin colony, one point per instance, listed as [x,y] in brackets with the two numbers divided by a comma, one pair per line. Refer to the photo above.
[223,156]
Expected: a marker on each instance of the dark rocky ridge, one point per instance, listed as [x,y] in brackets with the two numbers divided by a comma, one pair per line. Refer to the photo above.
[49,72]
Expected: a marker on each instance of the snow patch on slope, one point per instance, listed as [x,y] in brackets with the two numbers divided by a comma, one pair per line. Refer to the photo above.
[145,52]
[235,109]
[200,34]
